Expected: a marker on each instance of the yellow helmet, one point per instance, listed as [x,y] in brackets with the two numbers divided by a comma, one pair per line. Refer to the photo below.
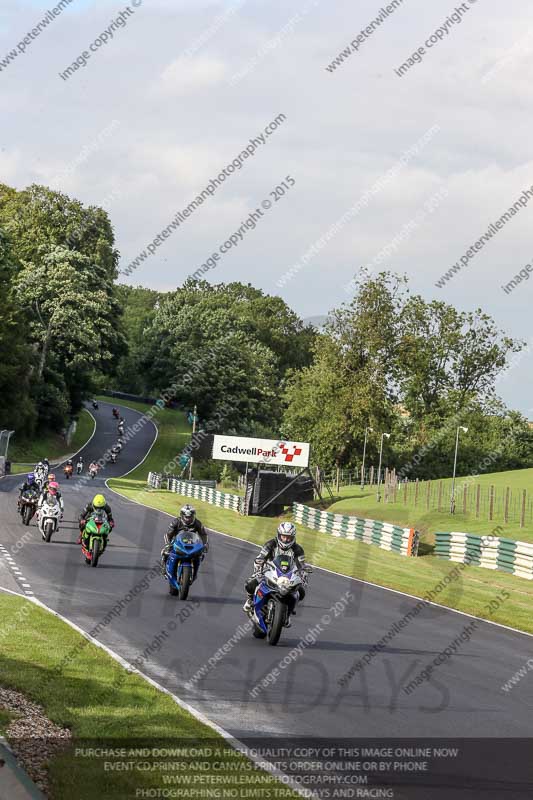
[99,501]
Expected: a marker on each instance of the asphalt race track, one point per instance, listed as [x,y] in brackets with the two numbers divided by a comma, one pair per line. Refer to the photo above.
[464,698]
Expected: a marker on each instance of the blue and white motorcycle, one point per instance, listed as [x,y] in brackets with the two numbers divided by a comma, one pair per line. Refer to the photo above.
[183,562]
[275,598]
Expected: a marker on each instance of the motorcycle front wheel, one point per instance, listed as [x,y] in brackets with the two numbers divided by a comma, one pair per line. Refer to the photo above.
[276,621]
[185,582]
[27,514]
[95,553]
[48,530]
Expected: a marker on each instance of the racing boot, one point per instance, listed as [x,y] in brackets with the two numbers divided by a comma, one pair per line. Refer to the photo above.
[248,607]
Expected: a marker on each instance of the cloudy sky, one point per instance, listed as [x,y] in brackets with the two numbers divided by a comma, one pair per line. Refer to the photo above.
[399,171]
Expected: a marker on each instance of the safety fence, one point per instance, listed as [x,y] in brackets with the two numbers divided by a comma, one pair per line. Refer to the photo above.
[490,552]
[190,489]
[382,534]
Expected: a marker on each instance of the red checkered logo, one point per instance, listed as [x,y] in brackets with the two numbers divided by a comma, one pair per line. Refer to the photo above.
[297,451]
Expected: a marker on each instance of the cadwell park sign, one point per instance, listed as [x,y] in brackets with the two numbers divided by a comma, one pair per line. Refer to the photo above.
[261,451]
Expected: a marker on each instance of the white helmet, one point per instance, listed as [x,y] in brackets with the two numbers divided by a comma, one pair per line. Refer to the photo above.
[286,535]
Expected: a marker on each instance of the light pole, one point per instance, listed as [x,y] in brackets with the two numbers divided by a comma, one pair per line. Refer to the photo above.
[380,457]
[364,456]
[452,500]
[193,432]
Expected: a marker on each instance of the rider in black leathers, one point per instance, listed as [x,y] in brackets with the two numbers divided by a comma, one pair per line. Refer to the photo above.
[185,521]
[284,543]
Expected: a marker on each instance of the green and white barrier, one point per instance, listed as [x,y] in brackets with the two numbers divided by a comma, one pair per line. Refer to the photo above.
[216,498]
[154,480]
[490,552]
[382,534]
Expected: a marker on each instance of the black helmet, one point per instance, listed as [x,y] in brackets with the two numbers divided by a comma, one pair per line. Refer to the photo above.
[188,515]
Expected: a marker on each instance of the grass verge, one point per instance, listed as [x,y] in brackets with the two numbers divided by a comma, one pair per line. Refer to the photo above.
[351,500]
[104,706]
[51,445]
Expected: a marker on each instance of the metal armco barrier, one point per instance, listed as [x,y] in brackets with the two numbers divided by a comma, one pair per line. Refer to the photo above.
[382,534]
[490,552]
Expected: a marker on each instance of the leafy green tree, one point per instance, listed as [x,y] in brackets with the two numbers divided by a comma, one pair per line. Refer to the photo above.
[447,357]
[138,306]
[351,383]
[64,271]
[227,343]
[414,368]
[70,311]
[17,409]
[38,219]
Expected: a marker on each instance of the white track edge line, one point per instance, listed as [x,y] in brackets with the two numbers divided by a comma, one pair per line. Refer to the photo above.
[198,715]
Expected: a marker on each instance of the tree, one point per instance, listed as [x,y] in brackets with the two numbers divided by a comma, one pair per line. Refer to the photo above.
[418,369]
[64,268]
[17,409]
[447,357]
[351,383]
[226,344]
[138,307]
[70,311]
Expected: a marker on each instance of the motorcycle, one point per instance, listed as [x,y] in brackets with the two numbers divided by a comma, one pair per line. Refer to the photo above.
[113,458]
[183,562]
[97,530]
[275,598]
[28,505]
[40,480]
[95,405]
[121,430]
[93,472]
[79,467]
[115,413]
[48,518]
[68,470]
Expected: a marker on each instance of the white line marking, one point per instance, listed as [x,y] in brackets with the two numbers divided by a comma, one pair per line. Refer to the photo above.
[235,743]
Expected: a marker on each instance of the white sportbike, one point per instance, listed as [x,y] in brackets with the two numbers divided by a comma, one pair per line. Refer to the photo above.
[48,518]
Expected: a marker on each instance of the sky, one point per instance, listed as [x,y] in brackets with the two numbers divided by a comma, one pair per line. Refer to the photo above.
[367,164]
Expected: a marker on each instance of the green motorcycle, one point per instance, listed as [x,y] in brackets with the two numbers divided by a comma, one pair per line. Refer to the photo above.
[95,534]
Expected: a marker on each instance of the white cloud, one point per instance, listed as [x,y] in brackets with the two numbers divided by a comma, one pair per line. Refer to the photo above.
[188,75]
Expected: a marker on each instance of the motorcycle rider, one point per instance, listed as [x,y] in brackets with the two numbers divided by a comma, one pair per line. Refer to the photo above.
[284,543]
[98,503]
[68,464]
[186,520]
[50,491]
[40,472]
[79,465]
[46,465]
[93,467]
[51,477]
[29,483]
